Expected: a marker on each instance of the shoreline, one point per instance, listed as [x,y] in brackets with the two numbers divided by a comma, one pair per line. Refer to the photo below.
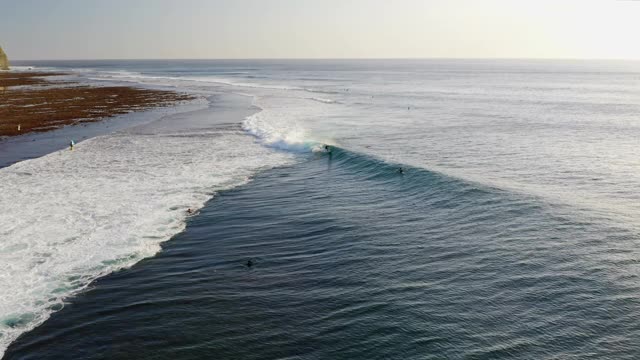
[32,144]
[31,102]
[15,149]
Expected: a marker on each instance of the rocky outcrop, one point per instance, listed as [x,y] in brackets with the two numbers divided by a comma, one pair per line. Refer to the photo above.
[4,61]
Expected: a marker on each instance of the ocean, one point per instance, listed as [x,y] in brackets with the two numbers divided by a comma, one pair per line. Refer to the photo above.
[475,209]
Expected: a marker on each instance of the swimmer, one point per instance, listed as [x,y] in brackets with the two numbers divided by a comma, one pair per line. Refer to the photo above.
[249,263]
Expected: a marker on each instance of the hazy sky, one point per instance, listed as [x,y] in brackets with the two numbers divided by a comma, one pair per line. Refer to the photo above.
[114,29]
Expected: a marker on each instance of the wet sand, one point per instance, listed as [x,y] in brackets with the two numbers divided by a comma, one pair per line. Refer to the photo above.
[36,102]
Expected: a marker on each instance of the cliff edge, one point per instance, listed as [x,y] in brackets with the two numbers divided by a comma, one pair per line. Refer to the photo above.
[4,61]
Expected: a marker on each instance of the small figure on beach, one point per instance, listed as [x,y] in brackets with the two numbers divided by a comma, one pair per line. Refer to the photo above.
[19,126]
[249,263]
[71,144]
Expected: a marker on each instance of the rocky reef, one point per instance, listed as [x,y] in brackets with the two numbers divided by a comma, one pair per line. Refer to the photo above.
[33,101]
[4,61]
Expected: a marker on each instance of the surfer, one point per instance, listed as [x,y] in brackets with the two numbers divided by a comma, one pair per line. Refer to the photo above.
[327,148]
[71,145]
[400,170]
[189,211]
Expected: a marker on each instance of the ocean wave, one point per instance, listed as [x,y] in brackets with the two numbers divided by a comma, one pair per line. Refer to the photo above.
[319,91]
[290,137]
[323,100]
[138,77]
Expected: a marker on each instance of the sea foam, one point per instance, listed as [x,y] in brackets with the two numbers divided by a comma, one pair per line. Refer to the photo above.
[73,216]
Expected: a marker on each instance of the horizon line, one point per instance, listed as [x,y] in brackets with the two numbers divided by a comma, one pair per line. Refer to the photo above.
[331,58]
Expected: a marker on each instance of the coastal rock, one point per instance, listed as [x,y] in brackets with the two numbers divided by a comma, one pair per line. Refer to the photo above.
[4,61]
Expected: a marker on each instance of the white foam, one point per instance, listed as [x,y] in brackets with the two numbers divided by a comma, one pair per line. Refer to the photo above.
[280,123]
[322,100]
[233,82]
[293,123]
[15,68]
[129,76]
[72,216]
[288,136]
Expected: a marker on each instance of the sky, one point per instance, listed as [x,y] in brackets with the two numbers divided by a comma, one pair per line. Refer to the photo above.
[241,29]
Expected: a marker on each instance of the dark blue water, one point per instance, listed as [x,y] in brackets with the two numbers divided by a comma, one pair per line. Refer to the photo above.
[513,232]
[353,260]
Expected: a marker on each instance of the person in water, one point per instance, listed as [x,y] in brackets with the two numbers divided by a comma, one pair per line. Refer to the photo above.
[249,263]
[189,211]
[327,148]
[71,145]
[400,171]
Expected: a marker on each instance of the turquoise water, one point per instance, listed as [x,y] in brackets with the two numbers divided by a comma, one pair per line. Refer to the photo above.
[512,232]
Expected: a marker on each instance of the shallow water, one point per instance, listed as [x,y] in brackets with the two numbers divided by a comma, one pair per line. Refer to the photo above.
[33,145]
[512,233]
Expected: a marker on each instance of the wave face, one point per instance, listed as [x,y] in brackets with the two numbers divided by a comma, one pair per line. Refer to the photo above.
[353,260]
[72,216]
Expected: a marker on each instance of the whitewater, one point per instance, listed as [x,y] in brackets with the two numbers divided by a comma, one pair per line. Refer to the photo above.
[72,216]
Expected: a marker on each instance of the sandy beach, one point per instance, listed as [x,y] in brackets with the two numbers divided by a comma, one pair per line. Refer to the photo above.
[39,102]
